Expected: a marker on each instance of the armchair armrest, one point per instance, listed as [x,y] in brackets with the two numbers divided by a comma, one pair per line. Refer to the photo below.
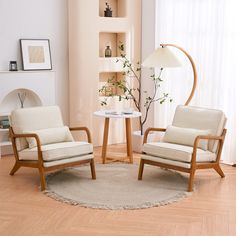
[151,129]
[208,137]
[28,135]
[15,136]
[83,129]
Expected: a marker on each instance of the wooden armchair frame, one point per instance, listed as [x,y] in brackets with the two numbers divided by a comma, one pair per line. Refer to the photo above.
[193,164]
[39,163]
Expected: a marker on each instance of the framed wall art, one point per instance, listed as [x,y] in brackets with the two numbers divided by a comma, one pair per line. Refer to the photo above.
[36,54]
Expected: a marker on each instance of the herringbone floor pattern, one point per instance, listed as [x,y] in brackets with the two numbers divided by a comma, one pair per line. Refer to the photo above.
[24,210]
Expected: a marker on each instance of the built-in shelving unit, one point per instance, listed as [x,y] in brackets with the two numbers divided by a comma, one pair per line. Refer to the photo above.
[113,40]
[111,67]
[11,100]
[89,35]
[104,78]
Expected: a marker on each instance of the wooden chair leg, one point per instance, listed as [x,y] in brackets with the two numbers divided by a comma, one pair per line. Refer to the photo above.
[15,168]
[92,167]
[141,167]
[105,140]
[191,180]
[219,171]
[42,179]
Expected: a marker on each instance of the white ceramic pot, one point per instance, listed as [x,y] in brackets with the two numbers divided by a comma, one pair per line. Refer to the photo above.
[137,140]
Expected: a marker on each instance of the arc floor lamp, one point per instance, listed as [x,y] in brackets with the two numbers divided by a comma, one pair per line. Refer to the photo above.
[162,57]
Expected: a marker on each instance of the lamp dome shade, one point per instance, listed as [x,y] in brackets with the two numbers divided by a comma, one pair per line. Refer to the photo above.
[162,57]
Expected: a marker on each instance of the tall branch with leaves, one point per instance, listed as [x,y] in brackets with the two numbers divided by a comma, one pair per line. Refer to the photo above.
[129,92]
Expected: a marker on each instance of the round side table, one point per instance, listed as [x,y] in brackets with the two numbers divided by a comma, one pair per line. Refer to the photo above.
[118,115]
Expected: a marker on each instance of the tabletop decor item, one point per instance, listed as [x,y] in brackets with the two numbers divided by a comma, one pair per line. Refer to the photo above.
[22,97]
[108,11]
[36,54]
[108,51]
[12,66]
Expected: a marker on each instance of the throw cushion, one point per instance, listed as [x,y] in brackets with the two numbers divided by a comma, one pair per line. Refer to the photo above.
[50,135]
[57,151]
[177,152]
[202,119]
[185,136]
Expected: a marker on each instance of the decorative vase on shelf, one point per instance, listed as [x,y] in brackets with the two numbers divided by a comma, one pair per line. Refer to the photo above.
[108,11]
[22,97]
[108,52]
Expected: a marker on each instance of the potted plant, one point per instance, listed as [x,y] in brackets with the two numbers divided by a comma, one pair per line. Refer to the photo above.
[133,91]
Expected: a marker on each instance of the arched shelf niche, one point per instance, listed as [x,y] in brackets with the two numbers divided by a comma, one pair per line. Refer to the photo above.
[12,101]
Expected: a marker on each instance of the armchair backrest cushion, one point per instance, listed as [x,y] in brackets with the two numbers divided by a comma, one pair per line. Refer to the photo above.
[201,119]
[34,118]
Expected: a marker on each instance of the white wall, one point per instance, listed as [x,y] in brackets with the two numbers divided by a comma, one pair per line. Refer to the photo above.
[148,46]
[46,19]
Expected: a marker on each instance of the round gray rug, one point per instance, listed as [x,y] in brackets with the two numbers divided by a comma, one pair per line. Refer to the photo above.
[117,187]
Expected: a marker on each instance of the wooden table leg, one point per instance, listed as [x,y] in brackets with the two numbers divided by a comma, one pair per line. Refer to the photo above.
[129,139]
[105,139]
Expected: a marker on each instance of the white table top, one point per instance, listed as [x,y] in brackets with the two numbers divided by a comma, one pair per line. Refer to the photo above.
[114,114]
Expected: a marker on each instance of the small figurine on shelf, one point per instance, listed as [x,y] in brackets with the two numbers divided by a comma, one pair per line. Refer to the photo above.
[108,52]
[108,11]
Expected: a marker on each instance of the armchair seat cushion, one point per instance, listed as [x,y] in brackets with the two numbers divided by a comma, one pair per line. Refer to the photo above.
[57,151]
[177,152]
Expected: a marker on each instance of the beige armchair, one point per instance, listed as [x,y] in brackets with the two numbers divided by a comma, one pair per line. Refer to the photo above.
[193,141]
[40,140]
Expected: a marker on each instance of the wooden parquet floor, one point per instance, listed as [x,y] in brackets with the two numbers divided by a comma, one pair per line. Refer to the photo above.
[25,211]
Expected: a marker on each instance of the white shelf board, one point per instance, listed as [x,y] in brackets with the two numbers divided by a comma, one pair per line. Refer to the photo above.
[4,130]
[5,143]
[119,24]
[4,113]
[110,64]
[26,71]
